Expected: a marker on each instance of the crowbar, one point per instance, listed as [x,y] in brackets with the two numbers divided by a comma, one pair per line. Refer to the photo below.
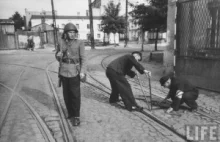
[149,82]
[142,90]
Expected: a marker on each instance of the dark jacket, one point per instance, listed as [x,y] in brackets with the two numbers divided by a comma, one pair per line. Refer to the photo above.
[182,85]
[124,64]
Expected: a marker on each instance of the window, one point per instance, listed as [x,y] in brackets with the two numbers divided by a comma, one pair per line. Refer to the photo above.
[78,13]
[88,26]
[87,12]
[78,35]
[88,36]
[77,26]
[98,36]
[99,26]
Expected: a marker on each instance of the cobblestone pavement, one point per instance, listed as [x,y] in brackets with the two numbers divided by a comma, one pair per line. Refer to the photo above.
[103,122]
[20,125]
[100,121]
[179,120]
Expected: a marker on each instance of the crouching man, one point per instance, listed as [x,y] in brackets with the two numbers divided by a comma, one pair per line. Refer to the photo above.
[180,91]
[116,72]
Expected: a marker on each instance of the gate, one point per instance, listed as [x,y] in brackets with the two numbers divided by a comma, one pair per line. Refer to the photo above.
[22,37]
[198,42]
[7,40]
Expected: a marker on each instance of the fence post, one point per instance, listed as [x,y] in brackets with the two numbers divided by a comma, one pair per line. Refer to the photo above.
[16,40]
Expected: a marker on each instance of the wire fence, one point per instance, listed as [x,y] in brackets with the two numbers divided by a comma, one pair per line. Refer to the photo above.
[198,29]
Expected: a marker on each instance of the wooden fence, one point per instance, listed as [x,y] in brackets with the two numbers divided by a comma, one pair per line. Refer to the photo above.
[18,40]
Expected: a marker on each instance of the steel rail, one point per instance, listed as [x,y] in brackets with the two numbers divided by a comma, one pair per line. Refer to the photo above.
[43,127]
[65,126]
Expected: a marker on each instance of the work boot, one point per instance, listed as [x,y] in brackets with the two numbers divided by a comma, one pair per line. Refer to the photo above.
[69,117]
[137,108]
[114,101]
[75,121]
[193,109]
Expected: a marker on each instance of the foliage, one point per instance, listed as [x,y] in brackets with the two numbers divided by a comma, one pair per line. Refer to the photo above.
[18,20]
[111,21]
[162,6]
[150,16]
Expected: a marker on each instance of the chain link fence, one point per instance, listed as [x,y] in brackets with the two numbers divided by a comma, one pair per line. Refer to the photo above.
[198,42]
[198,29]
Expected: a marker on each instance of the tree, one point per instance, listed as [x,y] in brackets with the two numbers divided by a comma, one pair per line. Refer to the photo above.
[162,7]
[18,20]
[111,21]
[150,17]
[91,26]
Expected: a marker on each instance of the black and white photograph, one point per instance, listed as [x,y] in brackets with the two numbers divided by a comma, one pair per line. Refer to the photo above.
[109,70]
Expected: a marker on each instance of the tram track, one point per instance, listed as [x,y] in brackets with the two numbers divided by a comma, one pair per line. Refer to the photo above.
[43,124]
[205,110]
[158,97]
[145,113]
[66,126]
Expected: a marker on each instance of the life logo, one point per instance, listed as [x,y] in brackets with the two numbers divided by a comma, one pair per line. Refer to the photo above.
[204,133]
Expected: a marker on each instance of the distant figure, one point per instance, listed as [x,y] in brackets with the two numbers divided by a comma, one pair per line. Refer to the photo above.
[72,71]
[116,72]
[181,91]
[31,43]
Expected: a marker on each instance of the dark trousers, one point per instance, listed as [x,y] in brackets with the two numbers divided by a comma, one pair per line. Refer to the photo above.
[120,85]
[188,97]
[71,95]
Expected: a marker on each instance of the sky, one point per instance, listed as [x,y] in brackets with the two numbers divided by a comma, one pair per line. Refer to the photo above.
[63,7]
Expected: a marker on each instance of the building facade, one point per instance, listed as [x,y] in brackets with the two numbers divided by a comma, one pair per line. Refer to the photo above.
[82,23]
[35,19]
[7,26]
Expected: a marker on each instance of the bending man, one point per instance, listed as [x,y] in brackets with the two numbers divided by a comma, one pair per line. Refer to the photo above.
[181,91]
[116,72]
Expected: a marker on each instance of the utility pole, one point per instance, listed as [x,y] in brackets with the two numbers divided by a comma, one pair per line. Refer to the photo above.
[54,26]
[126,18]
[91,26]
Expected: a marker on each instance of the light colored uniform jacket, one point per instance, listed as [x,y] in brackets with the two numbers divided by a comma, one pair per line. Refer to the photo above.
[75,50]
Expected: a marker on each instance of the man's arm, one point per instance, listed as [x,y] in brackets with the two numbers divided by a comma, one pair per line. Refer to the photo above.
[131,73]
[82,57]
[138,66]
[167,97]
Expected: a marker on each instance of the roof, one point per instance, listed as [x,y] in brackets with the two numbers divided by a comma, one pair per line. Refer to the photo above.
[42,24]
[65,17]
[6,22]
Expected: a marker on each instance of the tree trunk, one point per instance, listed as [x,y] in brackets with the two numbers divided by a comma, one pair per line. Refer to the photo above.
[104,39]
[126,28]
[157,33]
[108,38]
[143,39]
[91,26]
[114,40]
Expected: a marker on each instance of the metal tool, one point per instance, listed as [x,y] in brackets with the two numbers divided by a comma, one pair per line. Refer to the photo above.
[149,81]
[150,106]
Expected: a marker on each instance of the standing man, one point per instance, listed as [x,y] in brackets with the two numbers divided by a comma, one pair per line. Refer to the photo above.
[72,70]
[116,72]
[181,91]
[31,43]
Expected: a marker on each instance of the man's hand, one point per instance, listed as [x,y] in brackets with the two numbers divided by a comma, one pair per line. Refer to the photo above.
[82,77]
[147,73]
[169,110]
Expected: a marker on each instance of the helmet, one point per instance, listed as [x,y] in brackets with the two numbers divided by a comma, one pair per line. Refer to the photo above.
[70,27]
